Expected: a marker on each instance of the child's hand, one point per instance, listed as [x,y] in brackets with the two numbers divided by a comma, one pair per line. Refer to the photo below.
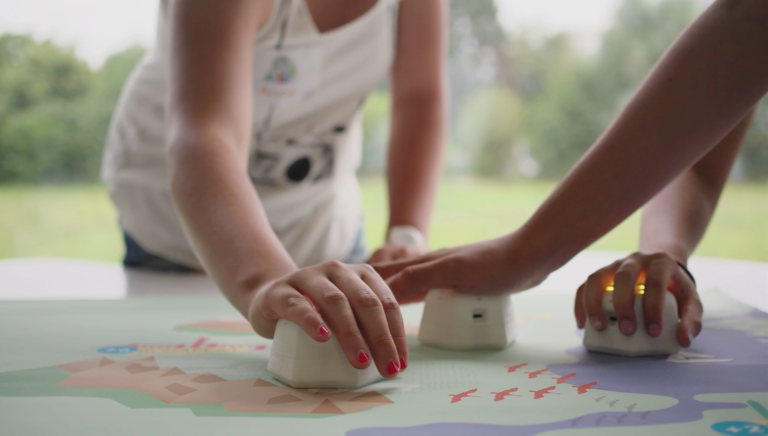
[659,272]
[487,267]
[392,252]
[353,301]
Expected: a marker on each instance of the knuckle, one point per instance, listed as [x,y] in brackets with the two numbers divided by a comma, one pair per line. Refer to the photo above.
[335,298]
[652,282]
[384,341]
[408,272]
[696,324]
[350,335]
[454,262]
[389,304]
[307,319]
[369,300]
[399,335]
[333,265]
[595,276]
[624,275]
[294,302]
[368,269]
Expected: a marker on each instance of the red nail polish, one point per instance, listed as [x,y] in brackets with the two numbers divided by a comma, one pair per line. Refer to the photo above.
[363,357]
[403,364]
[392,368]
[323,331]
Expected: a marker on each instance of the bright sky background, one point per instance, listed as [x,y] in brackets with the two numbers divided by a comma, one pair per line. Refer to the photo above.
[97,28]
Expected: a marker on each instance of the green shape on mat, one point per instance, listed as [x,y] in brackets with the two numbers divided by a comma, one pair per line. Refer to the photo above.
[759,408]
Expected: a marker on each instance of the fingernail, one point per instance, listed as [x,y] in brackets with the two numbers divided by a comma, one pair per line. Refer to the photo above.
[392,368]
[323,331]
[580,324]
[363,357]
[403,364]
[654,330]
[626,327]
[595,321]
[690,339]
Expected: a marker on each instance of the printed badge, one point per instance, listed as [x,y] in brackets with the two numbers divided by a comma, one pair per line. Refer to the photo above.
[288,76]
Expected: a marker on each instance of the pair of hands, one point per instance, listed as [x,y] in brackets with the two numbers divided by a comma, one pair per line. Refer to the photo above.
[362,310]
[487,267]
[352,301]
[490,267]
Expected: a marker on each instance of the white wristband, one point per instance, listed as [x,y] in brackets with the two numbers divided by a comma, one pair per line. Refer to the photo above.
[406,235]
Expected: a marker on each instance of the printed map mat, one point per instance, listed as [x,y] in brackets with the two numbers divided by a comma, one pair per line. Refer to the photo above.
[190,366]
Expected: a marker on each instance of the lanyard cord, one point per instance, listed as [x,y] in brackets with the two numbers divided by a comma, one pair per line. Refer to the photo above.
[267,121]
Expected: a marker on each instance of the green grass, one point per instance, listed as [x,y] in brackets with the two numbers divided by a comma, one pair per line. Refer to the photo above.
[78,221]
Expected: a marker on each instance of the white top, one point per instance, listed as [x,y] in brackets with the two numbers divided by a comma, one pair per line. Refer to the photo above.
[307,139]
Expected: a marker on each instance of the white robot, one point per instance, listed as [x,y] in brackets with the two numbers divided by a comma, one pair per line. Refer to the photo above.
[461,321]
[612,341]
[467,322]
[301,362]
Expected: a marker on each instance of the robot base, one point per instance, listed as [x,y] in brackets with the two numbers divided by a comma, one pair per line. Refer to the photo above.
[467,322]
[301,362]
[612,341]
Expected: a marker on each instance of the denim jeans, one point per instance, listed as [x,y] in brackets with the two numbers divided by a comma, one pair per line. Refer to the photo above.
[137,257]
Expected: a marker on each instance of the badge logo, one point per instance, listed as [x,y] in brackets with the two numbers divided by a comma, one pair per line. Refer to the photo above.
[283,71]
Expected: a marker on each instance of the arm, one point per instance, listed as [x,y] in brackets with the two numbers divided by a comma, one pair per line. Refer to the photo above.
[675,220]
[673,223]
[419,103]
[700,90]
[209,137]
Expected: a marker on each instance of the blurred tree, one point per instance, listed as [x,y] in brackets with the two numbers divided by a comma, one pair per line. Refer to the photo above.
[51,142]
[375,132]
[631,47]
[573,100]
[114,73]
[563,121]
[54,111]
[33,73]
[754,155]
[490,125]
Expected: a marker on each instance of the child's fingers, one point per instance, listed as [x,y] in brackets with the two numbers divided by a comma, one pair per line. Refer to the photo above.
[288,303]
[391,311]
[402,252]
[624,282]
[418,279]
[659,272]
[578,309]
[593,295]
[335,309]
[369,311]
[380,256]
[689,308]
[389,269]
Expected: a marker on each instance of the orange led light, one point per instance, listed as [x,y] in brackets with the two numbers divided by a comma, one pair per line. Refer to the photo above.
[639,290]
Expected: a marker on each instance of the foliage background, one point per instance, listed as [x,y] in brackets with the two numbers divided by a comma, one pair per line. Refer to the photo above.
[524,108]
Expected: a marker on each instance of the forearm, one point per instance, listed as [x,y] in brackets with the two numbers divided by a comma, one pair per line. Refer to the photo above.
[224,219]
[414,160]
[701,89]
[675,220]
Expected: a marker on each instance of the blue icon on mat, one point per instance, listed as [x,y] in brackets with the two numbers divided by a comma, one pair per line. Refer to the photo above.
[119,349]
[740,427]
